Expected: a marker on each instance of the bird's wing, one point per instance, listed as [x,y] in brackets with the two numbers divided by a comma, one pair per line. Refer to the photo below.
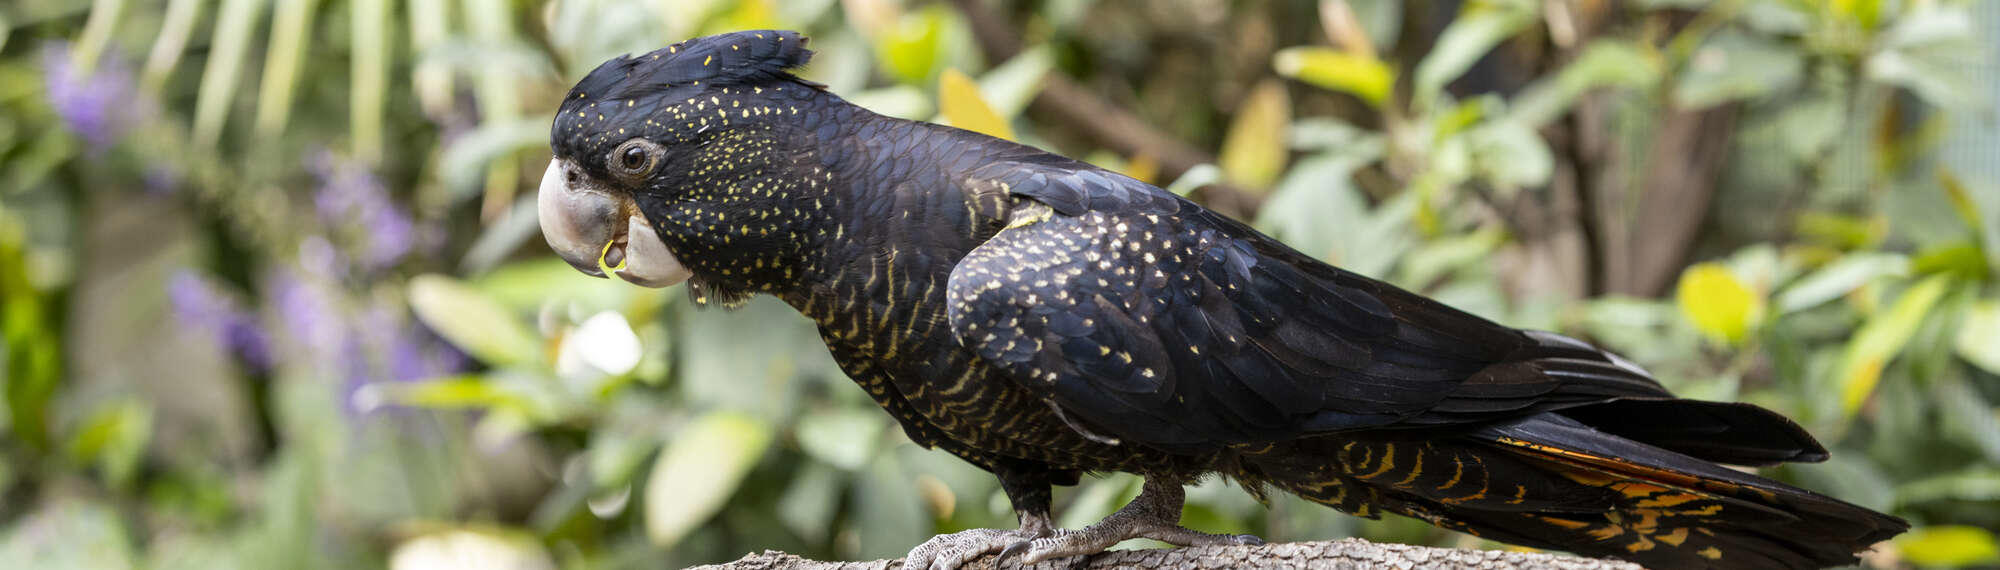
[1150,319]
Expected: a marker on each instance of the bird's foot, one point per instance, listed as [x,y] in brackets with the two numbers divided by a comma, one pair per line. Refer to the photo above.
[1112,530]
[1156,514]
[950,551]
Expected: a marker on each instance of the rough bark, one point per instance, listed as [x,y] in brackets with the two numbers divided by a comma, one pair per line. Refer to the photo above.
[1347,553]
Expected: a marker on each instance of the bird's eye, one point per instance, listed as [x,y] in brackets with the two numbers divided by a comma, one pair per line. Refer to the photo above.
[635,158]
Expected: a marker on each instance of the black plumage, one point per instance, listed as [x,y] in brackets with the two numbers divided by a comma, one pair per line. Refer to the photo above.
[1041,317]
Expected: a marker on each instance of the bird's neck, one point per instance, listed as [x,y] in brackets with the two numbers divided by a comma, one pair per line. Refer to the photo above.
[900,215]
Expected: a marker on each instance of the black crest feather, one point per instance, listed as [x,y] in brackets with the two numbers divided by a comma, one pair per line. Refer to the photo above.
[735,58]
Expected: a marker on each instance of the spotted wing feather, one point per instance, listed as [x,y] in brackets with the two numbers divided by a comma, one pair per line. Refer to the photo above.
[1150,318]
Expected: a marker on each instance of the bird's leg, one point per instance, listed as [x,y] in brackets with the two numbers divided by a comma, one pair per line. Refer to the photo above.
[1155,514]
[1028,489]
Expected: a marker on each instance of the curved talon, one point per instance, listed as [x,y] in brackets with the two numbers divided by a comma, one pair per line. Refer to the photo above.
[1011,552]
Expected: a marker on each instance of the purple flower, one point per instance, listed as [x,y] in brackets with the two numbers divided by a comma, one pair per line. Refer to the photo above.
[201,304]
[351,196]
[97,105]
[312,319]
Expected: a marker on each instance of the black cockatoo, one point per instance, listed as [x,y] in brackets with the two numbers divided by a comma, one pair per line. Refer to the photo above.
[1041,317]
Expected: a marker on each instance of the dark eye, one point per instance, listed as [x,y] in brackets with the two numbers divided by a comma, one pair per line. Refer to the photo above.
[635,158]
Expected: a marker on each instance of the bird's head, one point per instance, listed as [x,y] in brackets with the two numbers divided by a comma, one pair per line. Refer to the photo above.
[687,162]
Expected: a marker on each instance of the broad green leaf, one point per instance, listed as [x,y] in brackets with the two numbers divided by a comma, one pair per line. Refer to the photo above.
[470,391]
[844,437]
[901,101]
[1361,75]
[1949,545]
[1839,278]
[811,501]
[464,162]
[1721,306]
[909,49]
[1009,87]
[1927,50]
[1510,155]
[472,321]
[114,438]
[1975,484]
[1734,65]
[963,107]
[1468,38]
[1603,63]
[1884,335]
[1254,152]
[1195,178]
[699,470]
[1978,338]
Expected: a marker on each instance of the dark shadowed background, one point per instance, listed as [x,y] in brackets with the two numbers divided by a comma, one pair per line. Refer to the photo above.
[273,294]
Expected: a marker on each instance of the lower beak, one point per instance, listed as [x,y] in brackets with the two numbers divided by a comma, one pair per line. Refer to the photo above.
[599,230]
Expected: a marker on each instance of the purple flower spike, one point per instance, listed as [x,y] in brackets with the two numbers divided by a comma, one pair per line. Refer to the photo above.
[201,304]
[96,105]
[351,196]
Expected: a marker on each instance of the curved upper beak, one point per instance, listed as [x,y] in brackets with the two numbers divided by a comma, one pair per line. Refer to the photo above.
[597,230]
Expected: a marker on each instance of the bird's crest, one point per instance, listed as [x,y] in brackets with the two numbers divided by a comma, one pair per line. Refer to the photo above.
[735,58]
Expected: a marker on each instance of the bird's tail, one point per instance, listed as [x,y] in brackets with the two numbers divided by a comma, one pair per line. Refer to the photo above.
[1550,481]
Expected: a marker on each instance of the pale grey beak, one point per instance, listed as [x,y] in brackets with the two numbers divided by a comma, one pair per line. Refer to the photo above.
[597,229]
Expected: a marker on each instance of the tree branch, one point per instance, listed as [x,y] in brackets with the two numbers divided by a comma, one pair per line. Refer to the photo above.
[1344,553]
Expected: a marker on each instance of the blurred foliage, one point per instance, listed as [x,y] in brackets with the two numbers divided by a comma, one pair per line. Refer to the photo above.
[274,294]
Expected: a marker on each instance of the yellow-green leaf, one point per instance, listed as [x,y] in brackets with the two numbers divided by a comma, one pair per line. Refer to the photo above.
[909,49]
[1719,304]
[471,321]
[1884,335]
[958,98]
[1254,152]
[1359,74]
[1949,545]
[1978,339]
[698,472]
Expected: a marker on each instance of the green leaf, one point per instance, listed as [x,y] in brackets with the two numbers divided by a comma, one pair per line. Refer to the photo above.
[1201,175]
[1884,335]
[699,470]
[1839,278]
[810,503]
[1949,545]
[1975,484]
[1720,305]
[114,439]
[1363,76]
[1009,87]
[909,50]
[960,102]
[235,24]
[1254,152]
[1734,65]
[472,321]
[1927,51]
[1603,63]
[1510,155]
[1468,38]
[1978,338]
[843,437]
